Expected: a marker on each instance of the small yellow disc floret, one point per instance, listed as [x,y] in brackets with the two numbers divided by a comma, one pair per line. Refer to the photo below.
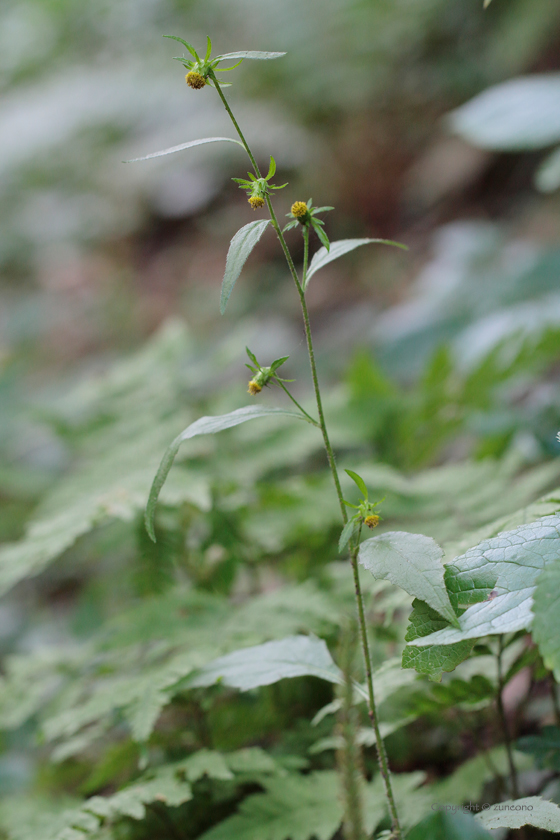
[195,80]
[299,209]
[254,388]
[372,521]
[256,201]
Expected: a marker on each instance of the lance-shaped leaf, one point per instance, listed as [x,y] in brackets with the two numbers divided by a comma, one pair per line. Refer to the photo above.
[204,426]
[182,146]
[519,114]
[496,581]
[240,247]
[338,249]
[519,812]
[255,54]
[294,656]
[413,562]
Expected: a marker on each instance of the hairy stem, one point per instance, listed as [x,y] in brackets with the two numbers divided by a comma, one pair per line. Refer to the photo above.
[504,723]
[372,709]
[295,402]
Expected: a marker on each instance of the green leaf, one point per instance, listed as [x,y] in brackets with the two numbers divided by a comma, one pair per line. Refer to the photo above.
[294,807]
[498,578]
[295,656]
[208,48]
[322,236]
[252,356]
[341,247]
[240,247]
[519,812]
[544,747]
[467,782]
[190,48]
[182,146]
[432,660]
[513,116]
[546,624]
[261,56]
[204,426]
[547,176]
[278,363]
[359,481]
[413,562]
[271,168]
[346,534]
[448,826]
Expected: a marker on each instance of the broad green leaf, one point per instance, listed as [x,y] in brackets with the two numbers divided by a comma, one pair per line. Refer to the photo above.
[546,623]
[519,114]
[338,249]
[188,145]
[295,656]
[251,54]
[547,176]
[240,247]
[434,659]
[295,807]
[204,763]
[519,812]
[413,562]
[498,578]
[441,825]
[204,426]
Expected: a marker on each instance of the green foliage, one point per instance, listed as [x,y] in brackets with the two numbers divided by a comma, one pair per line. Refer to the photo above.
[519,812]
[448,826]
[239,250]
[337,249]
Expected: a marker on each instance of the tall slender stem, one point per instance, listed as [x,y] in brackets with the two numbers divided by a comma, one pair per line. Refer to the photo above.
[504,723]
[300,286]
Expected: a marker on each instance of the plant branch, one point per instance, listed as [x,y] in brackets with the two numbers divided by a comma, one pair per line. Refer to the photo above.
[504,723]
[295,402]
[300,286]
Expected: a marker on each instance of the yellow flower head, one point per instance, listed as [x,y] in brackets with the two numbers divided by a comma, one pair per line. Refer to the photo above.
[254,388]
[372,521]
[256,201]
[299,209]
[195,80]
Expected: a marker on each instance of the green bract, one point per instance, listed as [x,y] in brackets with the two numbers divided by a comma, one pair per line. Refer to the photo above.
[206,66]
[258,188]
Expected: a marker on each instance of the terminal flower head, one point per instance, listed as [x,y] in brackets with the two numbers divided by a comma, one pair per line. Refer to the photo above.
[262,375]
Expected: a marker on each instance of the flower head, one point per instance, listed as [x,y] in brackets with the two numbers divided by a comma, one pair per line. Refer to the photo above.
[256,201]
[254,387]
[258,188]
[195,80]
[372,520]
[305,215]
[262,375]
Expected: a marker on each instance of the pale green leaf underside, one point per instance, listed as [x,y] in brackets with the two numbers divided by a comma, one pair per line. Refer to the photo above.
[413,562]
[546,624]
[519,114]
[183,146]
[204,426]
[322,257]
[547,176]
[252,54]
[498,578]
[240,247]
[294,656]
[519,812]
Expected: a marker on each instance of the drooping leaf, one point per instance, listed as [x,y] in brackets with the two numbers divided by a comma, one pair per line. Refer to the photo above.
[295,656]
[520,114]
[498,578]
[434,659]
[260,56]
[413,562]
[339,248]
[188,145]
[546,623]
[240,247]
[346,534]
[519,812]
[294,807]
[204,426]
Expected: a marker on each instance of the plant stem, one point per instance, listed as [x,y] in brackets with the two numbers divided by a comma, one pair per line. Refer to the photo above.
[504,723]
[295,402]
[372,710]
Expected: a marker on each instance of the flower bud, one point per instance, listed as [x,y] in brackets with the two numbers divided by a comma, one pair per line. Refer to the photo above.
[254,388]
[195,80]
[299,210]
[256,201]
